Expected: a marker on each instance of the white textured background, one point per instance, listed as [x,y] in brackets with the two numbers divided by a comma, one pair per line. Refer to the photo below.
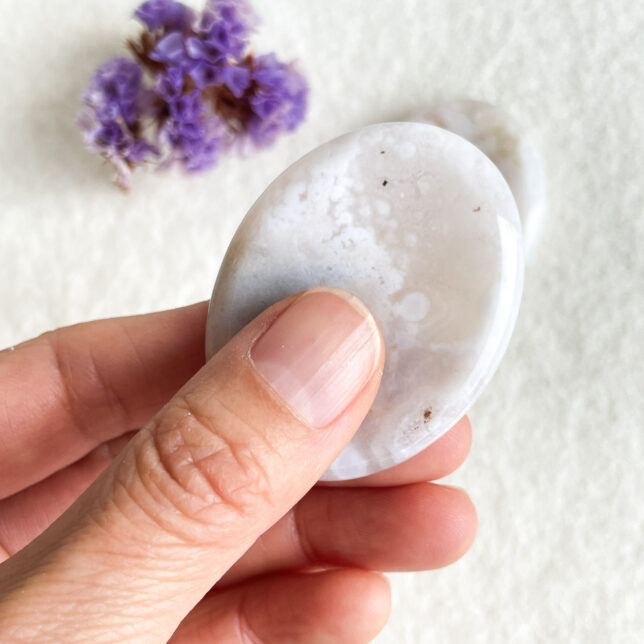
[557,464]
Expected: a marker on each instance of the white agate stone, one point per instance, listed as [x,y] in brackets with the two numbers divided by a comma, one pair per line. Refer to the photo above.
[502,139]
[420,225]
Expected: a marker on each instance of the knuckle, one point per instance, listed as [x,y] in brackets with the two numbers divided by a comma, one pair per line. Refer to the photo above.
[80,380]
[208,466]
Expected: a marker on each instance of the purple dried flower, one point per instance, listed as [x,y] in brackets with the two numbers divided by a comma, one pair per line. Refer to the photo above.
[237,79]
[195,140]
[194,93]
[170,50]
[226,26]
[188,108]
[115,102]
[279,101]
[114,90]
[165,14]
[169,85]
[203,50]
[205,75]
[141,150]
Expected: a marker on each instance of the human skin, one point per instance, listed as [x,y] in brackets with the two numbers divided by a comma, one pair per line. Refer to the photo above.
[146,496]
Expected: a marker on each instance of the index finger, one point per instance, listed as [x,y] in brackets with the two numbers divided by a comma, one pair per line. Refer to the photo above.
[69,390]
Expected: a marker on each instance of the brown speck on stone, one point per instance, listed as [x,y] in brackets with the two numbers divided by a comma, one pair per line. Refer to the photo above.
[385,182]
[477,209]
[382,151]
[427,415]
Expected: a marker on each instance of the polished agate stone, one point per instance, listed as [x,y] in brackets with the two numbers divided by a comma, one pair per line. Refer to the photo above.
[501,138]
[420,225]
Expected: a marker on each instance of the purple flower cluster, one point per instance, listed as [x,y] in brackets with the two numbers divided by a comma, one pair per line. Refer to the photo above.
[114,102]
[193,92]
[279,101]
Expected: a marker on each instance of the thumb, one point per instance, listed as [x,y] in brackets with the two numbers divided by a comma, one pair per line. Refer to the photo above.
[236,447]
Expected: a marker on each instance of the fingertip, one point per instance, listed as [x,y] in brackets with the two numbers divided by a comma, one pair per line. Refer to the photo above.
[360,603]
[378,603]
[439,525]
[460,523]
[340,605]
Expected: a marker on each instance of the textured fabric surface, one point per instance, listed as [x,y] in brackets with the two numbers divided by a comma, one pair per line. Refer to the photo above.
[556,467]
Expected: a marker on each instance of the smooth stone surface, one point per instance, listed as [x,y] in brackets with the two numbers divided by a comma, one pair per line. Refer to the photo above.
[501,138]
[421,225]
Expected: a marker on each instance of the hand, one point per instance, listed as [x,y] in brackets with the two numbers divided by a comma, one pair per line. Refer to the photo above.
[204,524]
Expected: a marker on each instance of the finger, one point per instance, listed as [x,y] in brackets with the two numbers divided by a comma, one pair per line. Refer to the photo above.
[414,527]
[333,606]
[228,456]
[26,514]
[68,391]
[439,459]
[437,524]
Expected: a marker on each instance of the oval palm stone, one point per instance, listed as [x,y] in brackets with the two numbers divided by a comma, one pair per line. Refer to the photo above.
[421,226]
